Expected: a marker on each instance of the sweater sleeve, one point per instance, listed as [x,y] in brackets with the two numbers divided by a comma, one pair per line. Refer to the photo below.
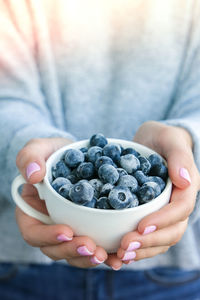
[185,108]
[24,113]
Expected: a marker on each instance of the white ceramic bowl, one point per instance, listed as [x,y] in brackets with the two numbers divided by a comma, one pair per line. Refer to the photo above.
[105,227]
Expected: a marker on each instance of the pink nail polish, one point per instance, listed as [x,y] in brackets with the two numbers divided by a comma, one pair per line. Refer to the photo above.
[149,229]
[116,268]
[185,174]
[133,246]
[63,238]
[32,168]
[94,260]
[83,250]
[129,255]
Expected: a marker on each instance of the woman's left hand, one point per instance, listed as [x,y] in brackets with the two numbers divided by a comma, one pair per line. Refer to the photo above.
[157,232]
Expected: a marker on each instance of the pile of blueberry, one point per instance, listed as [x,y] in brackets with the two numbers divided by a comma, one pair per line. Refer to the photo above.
[108,176]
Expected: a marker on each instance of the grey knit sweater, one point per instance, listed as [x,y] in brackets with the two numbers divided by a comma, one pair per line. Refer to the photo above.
[73,68]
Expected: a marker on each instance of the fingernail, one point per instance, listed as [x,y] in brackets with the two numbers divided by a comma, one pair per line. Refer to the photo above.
[129,255]
[185,174]
[83,250]
[149,229]
[94,260]
[63,238]
[116,268]
[133,246]
[32,168]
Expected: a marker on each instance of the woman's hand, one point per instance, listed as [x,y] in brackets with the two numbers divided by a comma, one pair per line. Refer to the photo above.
[55,241]
[160,230]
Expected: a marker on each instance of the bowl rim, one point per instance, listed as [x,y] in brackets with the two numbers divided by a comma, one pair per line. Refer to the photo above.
[60,151]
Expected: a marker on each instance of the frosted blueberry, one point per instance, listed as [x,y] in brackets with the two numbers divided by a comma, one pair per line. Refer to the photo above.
[120,197]
[129,182]
[91,203]
[159,170]
[58,182]
[145,165]
[130,151]
[103,160]
[106,188]
[113,151]
[97,186]
[103,203]
[140,176]
[130,163]
[94,153]
[98,140]
[145,194]
[60,170]
[73,157]
[85,170]
[158,180]
[64,189]
[108,174]
[121,172]
[81,192]
[155,186]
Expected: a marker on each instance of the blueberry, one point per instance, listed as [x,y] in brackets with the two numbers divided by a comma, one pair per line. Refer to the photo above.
[85,170]
[145,194]
[81,192]
[134,202]
[121,172]
[158,180]
[103,203]
[103,160]
[130,151]
[73,178]
[108,174]
[155,187]
[58,182]
[159,170]
[130,163]
[84,149]
[129,182]
[145,165]
[106,188]
[92,203]
[97,186]
[98,140]
[94,153]
[140,176]
[64,189]
[113,151]
[120,197]
[73,157]
[60,170]
[155,159]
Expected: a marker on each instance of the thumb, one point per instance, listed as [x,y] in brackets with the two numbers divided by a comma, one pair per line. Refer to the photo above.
[31,159]
[180,167]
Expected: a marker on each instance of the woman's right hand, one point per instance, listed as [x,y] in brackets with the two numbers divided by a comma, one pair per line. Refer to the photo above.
[55,241]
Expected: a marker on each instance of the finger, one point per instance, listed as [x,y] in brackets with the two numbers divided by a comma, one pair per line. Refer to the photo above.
[179,156]
[79,246]
[98,258]
[179,209]
[37,234]
[31,159]
[114,262]
[165,237]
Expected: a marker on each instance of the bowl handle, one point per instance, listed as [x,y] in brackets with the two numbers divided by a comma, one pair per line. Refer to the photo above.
[17,182]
